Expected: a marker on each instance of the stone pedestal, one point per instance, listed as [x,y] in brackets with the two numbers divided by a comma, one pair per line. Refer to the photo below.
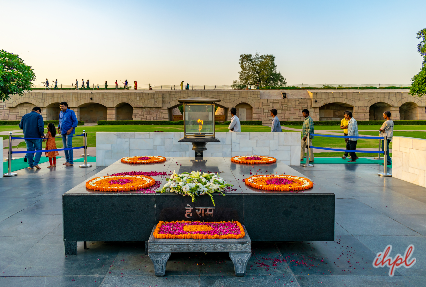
[159,250]
[199,145]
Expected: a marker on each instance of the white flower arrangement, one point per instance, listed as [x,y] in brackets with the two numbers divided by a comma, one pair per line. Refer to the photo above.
[195,184]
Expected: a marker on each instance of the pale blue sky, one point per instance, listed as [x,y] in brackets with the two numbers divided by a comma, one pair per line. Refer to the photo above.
[164,42]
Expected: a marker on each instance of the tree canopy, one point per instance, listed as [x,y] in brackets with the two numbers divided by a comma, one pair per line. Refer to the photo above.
[418,85]
[258,70]
[15,76]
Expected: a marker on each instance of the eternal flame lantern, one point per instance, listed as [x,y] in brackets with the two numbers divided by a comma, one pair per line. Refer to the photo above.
[199,123]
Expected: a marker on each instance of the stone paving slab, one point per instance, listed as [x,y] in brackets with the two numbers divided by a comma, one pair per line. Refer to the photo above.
[32,251]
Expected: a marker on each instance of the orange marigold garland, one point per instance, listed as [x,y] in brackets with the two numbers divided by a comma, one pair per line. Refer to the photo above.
[279,182]
[143,159]
[254,159]
[199,230]
[120,183]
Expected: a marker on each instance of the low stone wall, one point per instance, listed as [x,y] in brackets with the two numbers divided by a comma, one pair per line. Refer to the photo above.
[110,147]
[408,160]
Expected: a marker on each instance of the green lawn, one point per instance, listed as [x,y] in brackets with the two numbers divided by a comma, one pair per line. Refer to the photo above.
[318,141]
[7,128]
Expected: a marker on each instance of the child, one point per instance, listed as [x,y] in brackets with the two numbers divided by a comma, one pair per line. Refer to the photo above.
[51,144]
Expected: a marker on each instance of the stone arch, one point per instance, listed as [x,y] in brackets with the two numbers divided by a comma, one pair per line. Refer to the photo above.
[409,111]
[376,110]
[174,113]
[92,112]
[334,111]
[20,110]
[52,111]
[244,112]
[221,113]
[123,112]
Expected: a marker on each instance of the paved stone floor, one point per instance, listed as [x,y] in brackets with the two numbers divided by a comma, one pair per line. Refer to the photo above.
[371,212]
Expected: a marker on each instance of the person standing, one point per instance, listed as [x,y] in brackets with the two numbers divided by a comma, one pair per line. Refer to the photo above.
[234,126]
[187,87]
[87,83]
[51,144]
[307,128]
[181,86]
[344,126]
[106,85]
[125,84]
[387,130]
[352,131]
[33,126]
[76,84]
[276,126]
[116,84]
[47,84]
[82,84]
[67,124]
[56,84]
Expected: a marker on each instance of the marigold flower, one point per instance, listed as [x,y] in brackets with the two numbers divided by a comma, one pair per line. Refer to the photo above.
[279,182]
[143,159]
[255,159]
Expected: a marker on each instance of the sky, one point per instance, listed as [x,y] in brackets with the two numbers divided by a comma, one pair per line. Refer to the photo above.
[199,42]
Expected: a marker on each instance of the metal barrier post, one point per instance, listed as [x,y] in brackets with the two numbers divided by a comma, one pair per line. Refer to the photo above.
[9,159]
[308,143]
[85,151]
[380,147]
[385,171]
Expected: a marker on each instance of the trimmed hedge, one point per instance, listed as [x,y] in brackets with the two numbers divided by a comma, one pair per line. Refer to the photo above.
[13,123]
[156,123]
[367,123]
[162,123]
[243,123]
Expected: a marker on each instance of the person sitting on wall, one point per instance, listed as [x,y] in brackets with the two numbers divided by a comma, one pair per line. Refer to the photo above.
[276,126]
[234,126]
[307,129]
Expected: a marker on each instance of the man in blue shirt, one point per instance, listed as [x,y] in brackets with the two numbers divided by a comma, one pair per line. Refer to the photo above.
[33,126]
[276,126]
[67,124]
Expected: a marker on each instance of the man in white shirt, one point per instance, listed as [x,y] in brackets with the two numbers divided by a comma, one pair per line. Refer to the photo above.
[234,126]
[387,130]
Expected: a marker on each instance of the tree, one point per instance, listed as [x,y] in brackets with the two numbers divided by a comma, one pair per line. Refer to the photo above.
[15,76]
[258,70]
[418,85]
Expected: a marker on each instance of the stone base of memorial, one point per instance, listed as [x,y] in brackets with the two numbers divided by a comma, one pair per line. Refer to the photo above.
[129,216]
[159,250]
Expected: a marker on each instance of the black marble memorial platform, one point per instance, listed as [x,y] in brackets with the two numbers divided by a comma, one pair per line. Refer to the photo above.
[129,216]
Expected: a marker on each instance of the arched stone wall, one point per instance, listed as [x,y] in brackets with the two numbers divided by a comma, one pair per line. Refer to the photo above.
[376,110]
[409,111]
[52,112]
[244,112]
[92,112]
[334,111]
[124,112]
[20,110]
